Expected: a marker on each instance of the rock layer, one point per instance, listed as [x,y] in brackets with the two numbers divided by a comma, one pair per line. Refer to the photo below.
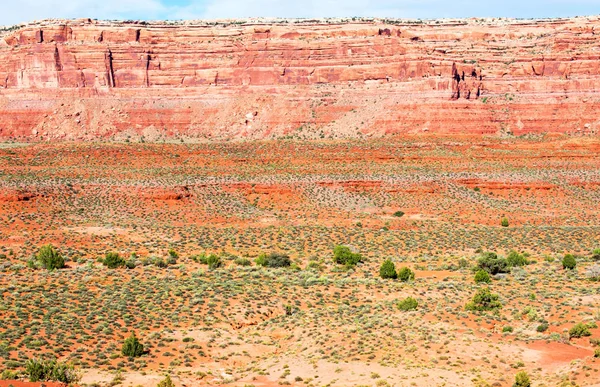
[84,79]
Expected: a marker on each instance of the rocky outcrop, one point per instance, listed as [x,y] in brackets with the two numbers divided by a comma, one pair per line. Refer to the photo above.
[83,79]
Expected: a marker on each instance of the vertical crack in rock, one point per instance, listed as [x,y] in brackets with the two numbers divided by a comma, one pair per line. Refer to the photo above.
[40,36]
[147,66]
[101,37]
[83,82]
[137,35]
[455,82]
[110,74]
[57,62]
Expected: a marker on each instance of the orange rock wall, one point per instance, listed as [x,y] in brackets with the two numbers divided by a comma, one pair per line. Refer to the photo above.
[81,80]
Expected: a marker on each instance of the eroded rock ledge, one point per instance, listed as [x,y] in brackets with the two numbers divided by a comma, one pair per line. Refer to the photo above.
[84,79]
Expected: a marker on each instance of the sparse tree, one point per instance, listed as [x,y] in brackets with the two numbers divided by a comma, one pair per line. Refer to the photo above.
[388,270]
[49,258]
[132,347]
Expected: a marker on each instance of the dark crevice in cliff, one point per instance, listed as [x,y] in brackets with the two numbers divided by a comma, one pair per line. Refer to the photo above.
[57,63]
[110,74]
[40,36]
[137,35]
[147,66]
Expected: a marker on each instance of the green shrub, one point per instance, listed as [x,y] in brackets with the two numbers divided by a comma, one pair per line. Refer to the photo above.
[408,304]
[242,262]
[596,255]
[51,370]
[277,260]
[569,262]
[9,375]
[492,263]
[49,258]
[166,382]
[597,352]
[543,327]
[405,274]
[113,260]
[507,328]
[173,254]
[398,214]
[484,300]
[132,347]
[515,259]
[130,264]
[579,330]
[388,270]
[213,261]
[504,222]
[522,380]
[342,255]
[482,276]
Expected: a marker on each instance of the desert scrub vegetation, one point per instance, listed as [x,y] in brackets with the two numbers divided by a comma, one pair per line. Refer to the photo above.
[166,382]
[388,270]
[569,262]
[579,330]
[51,370]
[482,276]
[113,260]
[343,255]
[522,379]
[132,346]
[493,264]
[49,258]
[484,300]
[406,274]
[408,304]
[273,260]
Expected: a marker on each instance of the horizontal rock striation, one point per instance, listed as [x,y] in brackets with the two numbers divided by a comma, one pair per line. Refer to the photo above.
[253,79]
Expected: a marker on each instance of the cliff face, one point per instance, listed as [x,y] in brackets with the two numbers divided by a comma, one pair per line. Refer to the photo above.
[85,79]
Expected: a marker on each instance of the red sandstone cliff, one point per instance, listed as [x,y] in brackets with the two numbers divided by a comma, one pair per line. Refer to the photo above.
[250,79]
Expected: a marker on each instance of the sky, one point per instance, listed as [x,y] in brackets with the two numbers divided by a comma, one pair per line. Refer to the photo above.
[15,12]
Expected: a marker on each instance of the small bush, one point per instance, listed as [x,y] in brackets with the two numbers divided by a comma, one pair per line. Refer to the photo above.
[388,270]
[484,300]
[515,259]
[507,328]
[113,261]
[213,261]
[398,214]
[579,330]
[278,260]
[543,327]
[597,352]
[492,263]
[569,262]
[51,370]
[9,375]
[132,347]
[405,274]
[342,255]
[522,380]
[49,258]
[596,255]
[166,382]
[482,276]
[408,304]
[504,222]
[242,262]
